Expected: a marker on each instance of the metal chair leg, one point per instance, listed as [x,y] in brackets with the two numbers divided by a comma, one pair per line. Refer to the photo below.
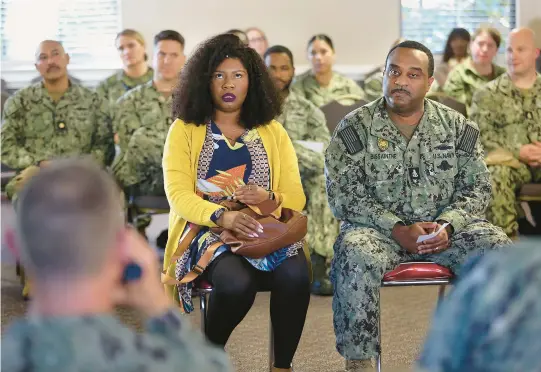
[203,306]
[378,358]
[271,346]
[441,294]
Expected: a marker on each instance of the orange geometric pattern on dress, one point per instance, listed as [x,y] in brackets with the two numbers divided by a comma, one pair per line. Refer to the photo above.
[228,181]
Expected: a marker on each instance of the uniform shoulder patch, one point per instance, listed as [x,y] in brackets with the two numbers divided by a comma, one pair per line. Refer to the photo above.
[351,140]
[469,139]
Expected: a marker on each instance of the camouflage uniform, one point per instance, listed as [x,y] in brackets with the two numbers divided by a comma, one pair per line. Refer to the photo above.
[305,122]
[36,128]
[491,320]
[102,343]
[142,119]
[307,86]
[375,179]
[373,84]
[119,83]
[508,118]
[464,80]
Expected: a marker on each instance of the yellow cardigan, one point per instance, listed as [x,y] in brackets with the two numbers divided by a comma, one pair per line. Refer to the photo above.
[180,162]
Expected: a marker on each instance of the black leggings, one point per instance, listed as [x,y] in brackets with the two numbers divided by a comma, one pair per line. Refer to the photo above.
[236,283]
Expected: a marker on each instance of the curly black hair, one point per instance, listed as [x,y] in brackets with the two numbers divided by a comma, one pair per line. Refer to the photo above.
[192,99]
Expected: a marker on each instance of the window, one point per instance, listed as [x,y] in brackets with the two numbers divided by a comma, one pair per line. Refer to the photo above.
[430,21]
[87,29]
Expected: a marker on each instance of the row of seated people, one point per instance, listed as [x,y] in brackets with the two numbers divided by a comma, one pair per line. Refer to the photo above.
[71,234]
[397,168]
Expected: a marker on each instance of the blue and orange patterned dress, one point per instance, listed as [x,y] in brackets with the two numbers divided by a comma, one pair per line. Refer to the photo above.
[221,169]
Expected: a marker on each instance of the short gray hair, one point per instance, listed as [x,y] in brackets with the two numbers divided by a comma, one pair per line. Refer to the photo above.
[68,218]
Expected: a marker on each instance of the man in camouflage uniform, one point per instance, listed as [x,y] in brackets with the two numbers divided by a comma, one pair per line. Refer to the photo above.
[491,320]
[464,80]
[303,121]
[77,270]
[398,168]
[142,119]
[508,111]
[53,118]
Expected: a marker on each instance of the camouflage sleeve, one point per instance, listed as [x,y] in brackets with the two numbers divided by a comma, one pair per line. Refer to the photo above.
[373,87]
[126,120]
[454,86]
[473,189]
[484,112]
[311,162]
[193,352]
[348,196]
[140,158]
[14,151]
[103,146]
[317,127]
[355,89]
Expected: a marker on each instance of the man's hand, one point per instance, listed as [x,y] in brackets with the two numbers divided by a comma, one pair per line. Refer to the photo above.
[145,294]
[406,236]
[437,244]
[531,154]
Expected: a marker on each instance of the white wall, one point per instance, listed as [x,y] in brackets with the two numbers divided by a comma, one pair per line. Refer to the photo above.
[529,15]
[362,30]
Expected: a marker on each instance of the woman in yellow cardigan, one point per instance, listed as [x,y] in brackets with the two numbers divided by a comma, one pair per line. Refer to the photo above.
[225,145]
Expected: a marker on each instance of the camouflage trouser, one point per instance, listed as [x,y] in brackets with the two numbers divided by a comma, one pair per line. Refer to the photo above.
[322,226]
[503,209]
[363,255]
[139,170]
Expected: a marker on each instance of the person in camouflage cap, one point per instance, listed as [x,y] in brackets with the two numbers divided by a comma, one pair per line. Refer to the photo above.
[508,111]
[52,118]
[491,320]
[303,122]
[142,120]
[477,70]
[131,47]
[398,168]
[71,235]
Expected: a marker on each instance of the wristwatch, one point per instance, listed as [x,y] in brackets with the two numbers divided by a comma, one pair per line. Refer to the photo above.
[216,215]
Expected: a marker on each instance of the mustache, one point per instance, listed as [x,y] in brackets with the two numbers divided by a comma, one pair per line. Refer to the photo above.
[401,91]
[51,67]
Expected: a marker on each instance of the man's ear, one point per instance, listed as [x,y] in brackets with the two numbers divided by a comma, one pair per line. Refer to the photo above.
[430,81]
[10,238]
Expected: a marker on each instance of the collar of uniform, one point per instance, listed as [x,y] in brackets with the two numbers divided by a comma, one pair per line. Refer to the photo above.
[505,84]
[41,94]
[469,69]
[382,126]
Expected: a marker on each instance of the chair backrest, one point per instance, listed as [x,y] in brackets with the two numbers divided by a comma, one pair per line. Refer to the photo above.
[448,101]
[334,112]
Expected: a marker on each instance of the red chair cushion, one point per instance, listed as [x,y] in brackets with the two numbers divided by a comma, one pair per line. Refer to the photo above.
[417,271]
[203,284]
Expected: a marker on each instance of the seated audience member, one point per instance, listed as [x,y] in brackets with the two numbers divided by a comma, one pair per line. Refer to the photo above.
[398,168]
[373,82]
[456,52]
[240,34]
[257,40]
[478,70]
[53,118]
[142,119]
[73,241]
[303,121]
[321,84]
[508,112]
[491,320]
[135,71]
[226,147]
[5,95]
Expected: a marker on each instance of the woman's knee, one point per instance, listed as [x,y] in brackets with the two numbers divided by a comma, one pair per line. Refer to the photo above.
[231,279]
[293,275]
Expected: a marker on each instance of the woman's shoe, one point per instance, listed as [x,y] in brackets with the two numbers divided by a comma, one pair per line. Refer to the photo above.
[274,369]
